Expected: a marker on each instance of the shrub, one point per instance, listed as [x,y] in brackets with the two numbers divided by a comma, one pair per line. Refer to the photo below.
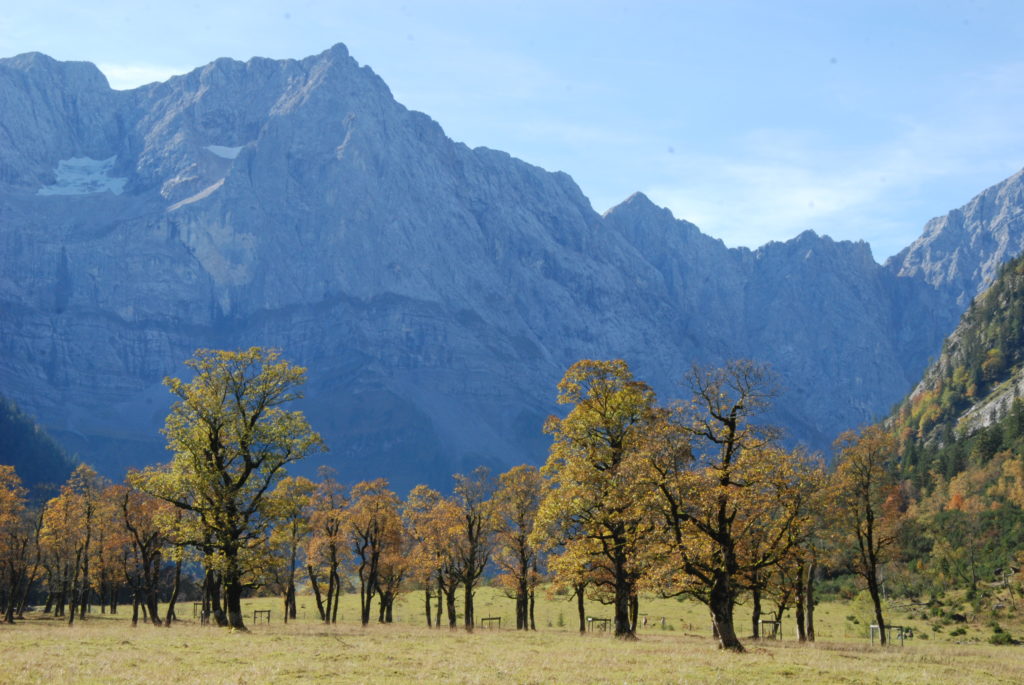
[1001,638]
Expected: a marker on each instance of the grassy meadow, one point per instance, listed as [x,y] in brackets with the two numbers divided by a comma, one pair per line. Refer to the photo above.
[106,649]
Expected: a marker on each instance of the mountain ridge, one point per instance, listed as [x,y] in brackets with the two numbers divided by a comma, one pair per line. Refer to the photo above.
[435,292]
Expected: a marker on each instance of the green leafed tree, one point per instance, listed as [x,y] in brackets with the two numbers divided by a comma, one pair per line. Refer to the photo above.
[231,438]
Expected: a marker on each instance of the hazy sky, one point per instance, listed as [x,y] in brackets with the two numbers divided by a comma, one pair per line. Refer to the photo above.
[755,120]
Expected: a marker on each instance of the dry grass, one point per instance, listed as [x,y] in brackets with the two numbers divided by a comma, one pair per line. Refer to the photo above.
[105,649]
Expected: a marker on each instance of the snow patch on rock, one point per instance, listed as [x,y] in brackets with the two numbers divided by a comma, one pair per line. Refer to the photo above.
[84,176]
[204,193]
[225,152]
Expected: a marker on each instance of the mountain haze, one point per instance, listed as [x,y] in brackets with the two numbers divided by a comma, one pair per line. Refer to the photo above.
[436,292]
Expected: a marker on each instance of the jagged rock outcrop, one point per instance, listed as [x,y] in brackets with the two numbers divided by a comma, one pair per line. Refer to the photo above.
[436,292]
[961,252]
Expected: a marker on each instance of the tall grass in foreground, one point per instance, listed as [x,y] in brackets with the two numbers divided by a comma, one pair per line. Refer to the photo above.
[109,651]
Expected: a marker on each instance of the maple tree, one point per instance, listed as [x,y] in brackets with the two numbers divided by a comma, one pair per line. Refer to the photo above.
[289,505]
[147,536]
[594,467]
[864,493]
[231,441]
[326,548]
[515,505]
[434,525]
[474,540]
[68,525]
[729,500]
[374,529]
[16,538]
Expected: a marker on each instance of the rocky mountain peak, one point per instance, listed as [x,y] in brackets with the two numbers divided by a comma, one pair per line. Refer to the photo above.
[436,293]
[69,76]
[961,252]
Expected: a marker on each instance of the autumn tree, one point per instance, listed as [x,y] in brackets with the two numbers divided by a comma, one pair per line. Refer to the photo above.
[231,440]
[374,528]
[327,547]
[864,488]
[147,535]
[290,507]
[16,538]
[108,548]
[515,509]
[475,539]
[69,522]
[393,572]
[59,541]
[424,559]
[571,567]
[729,500]
[594,467]
[435,525]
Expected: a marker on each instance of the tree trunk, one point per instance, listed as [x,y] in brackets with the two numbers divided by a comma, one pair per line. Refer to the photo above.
[290,612]
[876,599]
[520,609]
[468,607]
[153,606]
[215,605]
[533,601]
[135,608]
[174,593]
[809,602]
[440,593]
[74,591]
[316,592]
[233,595]
[580,608]
[330,596]
[755,614]
[336,581]
[449,596]
[621,601]
[366,590]
[634,611]
[58,609]
[426,604]
[721,602]
[801,628]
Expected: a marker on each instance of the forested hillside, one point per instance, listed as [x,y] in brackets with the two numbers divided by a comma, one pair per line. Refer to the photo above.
[961,436]
[984,353]
[23,444]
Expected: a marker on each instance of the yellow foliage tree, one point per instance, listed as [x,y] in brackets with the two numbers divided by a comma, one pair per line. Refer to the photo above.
[516,502]
[863,488]
[732,505]
[231,441]
[594,468]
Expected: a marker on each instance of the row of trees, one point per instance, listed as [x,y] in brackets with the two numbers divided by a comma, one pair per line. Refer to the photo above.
[694,498]
[699,499]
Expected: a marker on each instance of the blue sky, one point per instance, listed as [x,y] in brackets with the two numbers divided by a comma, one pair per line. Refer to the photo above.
[754,120]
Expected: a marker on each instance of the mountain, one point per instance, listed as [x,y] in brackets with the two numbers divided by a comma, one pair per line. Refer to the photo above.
[435,292]
[979,374]
[37,459]
[962,251]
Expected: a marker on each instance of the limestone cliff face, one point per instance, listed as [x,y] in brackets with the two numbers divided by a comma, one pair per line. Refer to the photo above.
[436,292]
[961,252]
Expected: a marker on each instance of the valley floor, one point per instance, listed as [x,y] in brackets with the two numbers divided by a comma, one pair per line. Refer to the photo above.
[106,649]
